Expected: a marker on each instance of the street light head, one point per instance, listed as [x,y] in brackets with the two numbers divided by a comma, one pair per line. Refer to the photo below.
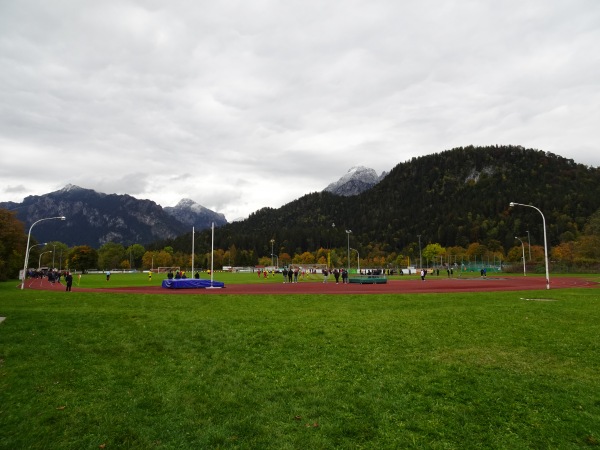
[63,218]
[348,231]
[511,204]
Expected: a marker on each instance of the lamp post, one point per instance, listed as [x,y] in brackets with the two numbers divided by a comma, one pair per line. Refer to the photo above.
[528,243]
[27,248]
[40,260]
[272,242]
[523,248]
[35,245]
[357,259]
[348,233]
[193,249]
[545,239]
[420,257]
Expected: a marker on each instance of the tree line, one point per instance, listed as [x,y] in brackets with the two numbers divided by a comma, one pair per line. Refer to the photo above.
[581,253]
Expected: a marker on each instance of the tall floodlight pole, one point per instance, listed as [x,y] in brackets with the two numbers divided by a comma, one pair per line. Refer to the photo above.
[40,260]
[545,239]
[212,254]
[420,257]
[272,242]
[348,233]
[36,245]
[523,248]
[528,243]
[27,248]
[193,242]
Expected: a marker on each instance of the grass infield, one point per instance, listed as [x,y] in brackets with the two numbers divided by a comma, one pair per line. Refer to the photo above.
[442,371]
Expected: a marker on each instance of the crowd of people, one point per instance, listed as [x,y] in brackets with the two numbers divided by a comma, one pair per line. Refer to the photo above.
[53,276]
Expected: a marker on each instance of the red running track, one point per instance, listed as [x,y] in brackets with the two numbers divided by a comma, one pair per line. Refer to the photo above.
[431,285]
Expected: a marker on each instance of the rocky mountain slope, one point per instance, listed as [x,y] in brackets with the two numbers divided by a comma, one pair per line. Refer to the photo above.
[195,215]
[94,218]
[358,180]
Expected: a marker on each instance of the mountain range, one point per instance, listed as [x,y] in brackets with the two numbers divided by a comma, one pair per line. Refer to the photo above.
[96,218]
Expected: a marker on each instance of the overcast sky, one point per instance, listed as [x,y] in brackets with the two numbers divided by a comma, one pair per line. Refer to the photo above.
[240,105]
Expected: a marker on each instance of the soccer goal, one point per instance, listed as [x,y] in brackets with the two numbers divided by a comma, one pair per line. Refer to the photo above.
[309,268]
[167,269]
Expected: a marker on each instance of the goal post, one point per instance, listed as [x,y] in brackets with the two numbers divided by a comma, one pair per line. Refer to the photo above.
[308,268]
[168,269]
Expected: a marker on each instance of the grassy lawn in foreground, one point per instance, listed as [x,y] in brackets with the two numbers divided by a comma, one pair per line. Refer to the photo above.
[452,371]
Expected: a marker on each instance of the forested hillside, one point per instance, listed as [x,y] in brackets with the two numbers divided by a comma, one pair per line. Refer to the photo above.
[454,198]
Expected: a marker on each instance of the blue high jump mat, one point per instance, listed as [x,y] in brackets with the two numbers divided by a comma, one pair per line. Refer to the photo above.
[191,283]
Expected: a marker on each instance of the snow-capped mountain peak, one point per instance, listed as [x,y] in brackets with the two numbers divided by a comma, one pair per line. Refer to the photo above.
[191,213]
[357,180]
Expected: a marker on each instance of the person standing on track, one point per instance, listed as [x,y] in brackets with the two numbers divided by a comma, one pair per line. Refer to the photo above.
[69,281]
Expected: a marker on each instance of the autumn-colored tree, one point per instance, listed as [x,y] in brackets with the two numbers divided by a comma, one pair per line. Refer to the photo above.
[564,253]
[284,259]
[181,259]
[304,258]
[432,252]
[163,259]
[402,261]
[537,253]
[148,260]
[82,258]
[264,261]
[515,254]
[476,251]
[217,258]
[322,255]
[587,248]
[13,241]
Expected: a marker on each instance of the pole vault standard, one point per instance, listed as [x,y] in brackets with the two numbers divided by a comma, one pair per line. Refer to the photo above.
[212,255]
[193,241]
[212,260]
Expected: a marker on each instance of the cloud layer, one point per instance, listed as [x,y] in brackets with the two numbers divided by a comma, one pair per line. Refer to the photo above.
[241,105]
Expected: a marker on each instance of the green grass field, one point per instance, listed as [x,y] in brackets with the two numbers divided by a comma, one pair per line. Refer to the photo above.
[447,371]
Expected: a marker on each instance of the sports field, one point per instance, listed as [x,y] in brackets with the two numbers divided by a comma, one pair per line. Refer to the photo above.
[306,365]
